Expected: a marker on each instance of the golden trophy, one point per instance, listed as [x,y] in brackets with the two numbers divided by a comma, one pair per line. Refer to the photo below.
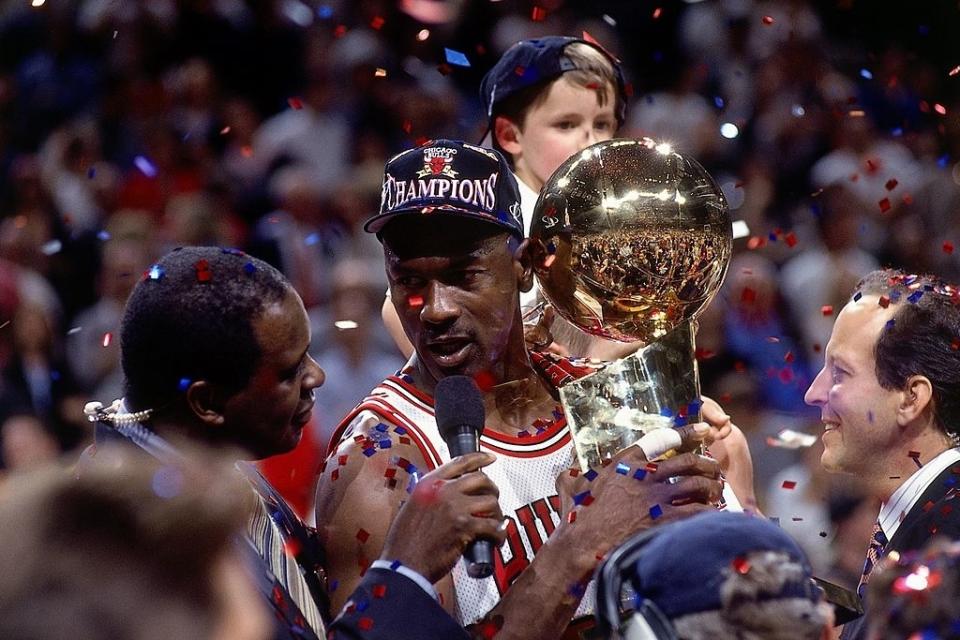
[633,240]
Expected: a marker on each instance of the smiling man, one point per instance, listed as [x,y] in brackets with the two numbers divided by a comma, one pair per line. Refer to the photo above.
[456,261]
[889,398]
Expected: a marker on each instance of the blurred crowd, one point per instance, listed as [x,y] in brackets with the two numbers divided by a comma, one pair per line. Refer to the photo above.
[129,128]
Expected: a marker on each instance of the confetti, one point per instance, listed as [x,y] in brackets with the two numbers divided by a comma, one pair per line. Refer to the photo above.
[955,344]
[363,535]
[539,14]
[106,339]
[202,268]
[225,130]
[884,301]
[623,469]
[656,511]
[184,384]
[767,20]
[891,184]
[377,22]
[954,71]
[791,239]
[651,467]
[423,34]
[155,272]
[549,261]
[585,499]
[741,565]
[827,310]
[295,103]
[145,166]
[415,301]
[591,475]
[939,108]
[884,205]
[455,57]
[365,623]
[639,474]
[380,73]
[790,439]
[657,12]
[748,295]
[789,484]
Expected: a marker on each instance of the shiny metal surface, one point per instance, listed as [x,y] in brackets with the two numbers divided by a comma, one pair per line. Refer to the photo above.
[637,239]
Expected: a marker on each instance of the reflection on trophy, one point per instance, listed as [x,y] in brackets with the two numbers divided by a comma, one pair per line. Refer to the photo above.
[637,240]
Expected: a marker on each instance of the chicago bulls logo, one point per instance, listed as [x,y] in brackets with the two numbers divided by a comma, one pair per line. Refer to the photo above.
[438,161]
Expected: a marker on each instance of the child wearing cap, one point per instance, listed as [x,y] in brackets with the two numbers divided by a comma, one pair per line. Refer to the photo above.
[545,100]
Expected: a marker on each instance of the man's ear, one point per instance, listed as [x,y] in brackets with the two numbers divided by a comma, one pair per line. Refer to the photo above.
[523,262]
[916,399]
[206,402]
[507,133]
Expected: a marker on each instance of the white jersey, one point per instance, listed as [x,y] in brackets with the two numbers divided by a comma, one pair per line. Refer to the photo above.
[525,471]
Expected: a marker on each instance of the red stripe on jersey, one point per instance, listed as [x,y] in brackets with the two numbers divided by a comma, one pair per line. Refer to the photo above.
[536,453]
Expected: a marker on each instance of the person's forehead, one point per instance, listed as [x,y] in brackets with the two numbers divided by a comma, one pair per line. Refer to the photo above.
[561,90]
[419,238]
[858,326]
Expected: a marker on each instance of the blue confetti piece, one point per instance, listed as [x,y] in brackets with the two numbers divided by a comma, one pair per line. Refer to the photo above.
[91,172]
[656,511]
[694,407]
[895,295]
[184,384]
[680,421]
[455,57]
[324,12]
[156,272]
[411,468]
[382,428]
[333,584]
[666,412]
[249,268]
[407,378]
[145,166]
[590,475]
[857,296]
[890,324]
[897,132]
[943,160]
[103,236]
[718,101]
[623,469]
[865,73]
[369,451]
[639,474]
[772,236]
[523,434]
[362,605]
[312,239]
[914,297]
[396,564]
[580,497]
[386,443]
[557,414]
[400,430]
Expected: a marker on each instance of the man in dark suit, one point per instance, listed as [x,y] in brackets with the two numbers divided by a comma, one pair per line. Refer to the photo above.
[214,352]
[889,397]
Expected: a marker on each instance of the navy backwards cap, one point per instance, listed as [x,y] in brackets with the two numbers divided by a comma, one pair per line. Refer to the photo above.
[450,177]
[531,61]
[683,568]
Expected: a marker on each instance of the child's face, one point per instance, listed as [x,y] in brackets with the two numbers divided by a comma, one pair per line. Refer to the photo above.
[568,121]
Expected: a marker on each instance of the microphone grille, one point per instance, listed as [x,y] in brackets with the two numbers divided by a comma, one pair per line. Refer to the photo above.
[457,401]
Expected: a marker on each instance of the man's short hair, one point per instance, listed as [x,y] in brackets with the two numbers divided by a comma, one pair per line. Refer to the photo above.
[126,550]
[922,338]
[191,318]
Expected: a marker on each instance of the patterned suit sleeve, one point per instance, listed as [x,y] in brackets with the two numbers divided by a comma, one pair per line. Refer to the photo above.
[389,606]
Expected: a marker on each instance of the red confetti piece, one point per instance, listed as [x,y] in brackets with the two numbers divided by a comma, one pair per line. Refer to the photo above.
[203,271]
[789,357]
[884,302]
[106,339]
[549,261]
[954,71]
[928,505]
[817,347]
[390,473]
[657,12]
[365,623]
[342,459]
[574,473]
[485,381]
[789,484]
[572,517]
[948,247]
[225,130]
[827,309]
[939,108]
[246,151]
[884,205]
[907,199]
[340,31]
[404,440]
[295,103]
[335,475]
[955,345]
[891,184]
[539,14]
[519,70]
[363,535]
[379,590]
[741,565]
[377,22]
[748,295]
[415,301]
[651,467]
[791,239]
[767,20]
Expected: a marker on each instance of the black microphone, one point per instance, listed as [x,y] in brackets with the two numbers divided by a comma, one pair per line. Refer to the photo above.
[460,415]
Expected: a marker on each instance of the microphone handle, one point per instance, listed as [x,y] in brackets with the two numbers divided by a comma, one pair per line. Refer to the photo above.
[479,554]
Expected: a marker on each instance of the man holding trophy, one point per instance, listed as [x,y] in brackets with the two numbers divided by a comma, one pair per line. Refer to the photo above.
[456,261]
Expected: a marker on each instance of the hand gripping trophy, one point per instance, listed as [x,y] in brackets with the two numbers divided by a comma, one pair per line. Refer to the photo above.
[633,240]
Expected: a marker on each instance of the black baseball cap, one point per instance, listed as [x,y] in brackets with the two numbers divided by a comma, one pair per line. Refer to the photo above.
[531,61]
[450,177]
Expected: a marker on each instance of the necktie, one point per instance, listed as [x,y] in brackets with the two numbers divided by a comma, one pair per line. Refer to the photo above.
[877,542]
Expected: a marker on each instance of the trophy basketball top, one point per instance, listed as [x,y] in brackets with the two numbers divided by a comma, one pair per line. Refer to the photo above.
[636,239]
